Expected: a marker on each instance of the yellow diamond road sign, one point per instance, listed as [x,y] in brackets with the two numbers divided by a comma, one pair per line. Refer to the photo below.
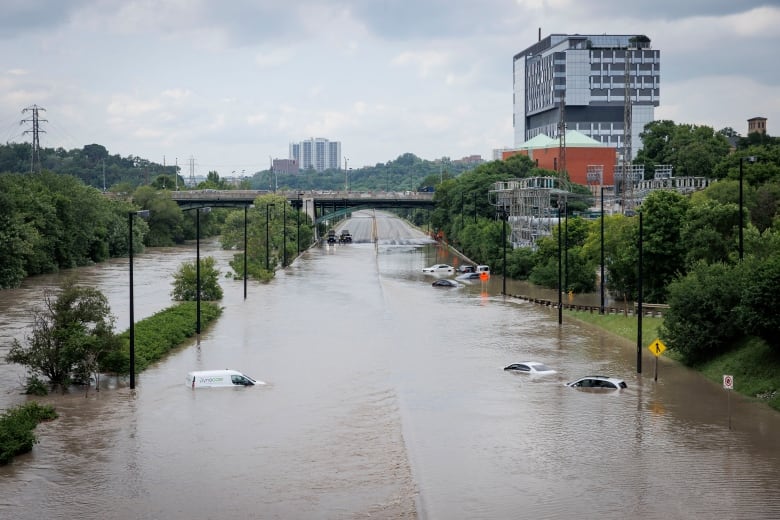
[657,347]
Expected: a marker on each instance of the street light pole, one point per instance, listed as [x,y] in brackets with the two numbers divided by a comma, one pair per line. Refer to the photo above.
[560,301]
[640,298]
[504,217]
[601,308]
[751,158]
[267,237]
[130,215]
[346,175]
[205,209]
[245,212]
[284,235]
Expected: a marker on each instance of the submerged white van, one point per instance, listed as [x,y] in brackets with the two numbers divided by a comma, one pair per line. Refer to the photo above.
[219,378]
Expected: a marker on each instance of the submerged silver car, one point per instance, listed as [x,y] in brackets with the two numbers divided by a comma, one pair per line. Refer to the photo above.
[599,382]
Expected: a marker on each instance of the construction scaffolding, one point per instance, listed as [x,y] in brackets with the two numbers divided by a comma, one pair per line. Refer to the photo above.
[528,204]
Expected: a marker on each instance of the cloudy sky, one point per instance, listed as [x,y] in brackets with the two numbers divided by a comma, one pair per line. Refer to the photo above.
[231,83]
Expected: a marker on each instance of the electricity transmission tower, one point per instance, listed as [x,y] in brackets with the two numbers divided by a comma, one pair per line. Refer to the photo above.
[35,156]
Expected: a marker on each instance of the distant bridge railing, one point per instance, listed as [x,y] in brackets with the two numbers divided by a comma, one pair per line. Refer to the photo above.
[377,199]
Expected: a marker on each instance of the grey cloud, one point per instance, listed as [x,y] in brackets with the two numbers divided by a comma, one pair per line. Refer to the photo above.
[24,16]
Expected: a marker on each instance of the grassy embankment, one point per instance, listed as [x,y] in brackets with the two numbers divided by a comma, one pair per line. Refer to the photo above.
[161,333]
[756,369]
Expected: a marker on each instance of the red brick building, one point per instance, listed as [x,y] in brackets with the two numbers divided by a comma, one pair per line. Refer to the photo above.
[581,152]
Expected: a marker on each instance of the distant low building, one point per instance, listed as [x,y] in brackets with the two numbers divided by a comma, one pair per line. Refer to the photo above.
[471,159]
[288,166]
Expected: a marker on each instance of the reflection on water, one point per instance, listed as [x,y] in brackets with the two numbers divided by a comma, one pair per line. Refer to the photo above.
[386,398]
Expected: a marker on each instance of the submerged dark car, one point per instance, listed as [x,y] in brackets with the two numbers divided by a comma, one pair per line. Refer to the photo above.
[445,283]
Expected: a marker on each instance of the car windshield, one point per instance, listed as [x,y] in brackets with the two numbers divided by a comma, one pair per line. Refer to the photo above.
[541,368]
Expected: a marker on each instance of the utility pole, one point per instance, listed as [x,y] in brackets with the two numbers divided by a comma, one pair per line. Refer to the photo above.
[562,140]
[192,171]
[35,155]
[628,174]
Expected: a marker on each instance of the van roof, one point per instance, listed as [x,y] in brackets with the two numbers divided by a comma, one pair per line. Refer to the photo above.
[206,372]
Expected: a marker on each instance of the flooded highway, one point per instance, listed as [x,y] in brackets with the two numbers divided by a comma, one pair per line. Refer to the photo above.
[385,398]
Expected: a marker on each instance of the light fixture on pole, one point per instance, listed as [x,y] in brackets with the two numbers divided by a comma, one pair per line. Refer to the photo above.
[267,237]
[143,214]
[751,158]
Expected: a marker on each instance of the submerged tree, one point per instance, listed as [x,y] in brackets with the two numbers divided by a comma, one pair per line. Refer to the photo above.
[72,332]
[185,281]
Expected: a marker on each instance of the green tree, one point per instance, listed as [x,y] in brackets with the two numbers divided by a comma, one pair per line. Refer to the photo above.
[700,322]
[70,335]
[17,238]
[664,252]
[185,281]
[692,150]
[709,231]
[620,254]
[165,218]
[757,308]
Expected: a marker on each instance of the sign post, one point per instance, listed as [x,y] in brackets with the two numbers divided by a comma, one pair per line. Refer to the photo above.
[728,384]
[657,347]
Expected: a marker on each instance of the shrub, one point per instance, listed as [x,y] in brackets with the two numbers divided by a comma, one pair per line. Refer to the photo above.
[16,429]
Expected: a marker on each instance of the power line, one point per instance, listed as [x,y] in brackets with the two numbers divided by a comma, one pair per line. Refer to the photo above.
[35,155]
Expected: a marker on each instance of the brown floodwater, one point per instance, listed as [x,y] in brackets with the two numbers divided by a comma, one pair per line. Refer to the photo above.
[385,398]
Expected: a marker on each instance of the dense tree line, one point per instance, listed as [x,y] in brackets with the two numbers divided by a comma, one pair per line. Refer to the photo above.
[406,173]
[92,164]
[50,222]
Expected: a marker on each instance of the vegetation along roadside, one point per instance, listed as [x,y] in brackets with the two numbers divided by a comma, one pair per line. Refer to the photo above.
[752,362]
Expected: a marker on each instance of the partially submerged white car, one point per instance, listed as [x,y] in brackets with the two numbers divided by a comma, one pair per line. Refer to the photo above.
[530,367]
[439,269]
[599,383]
[219,378]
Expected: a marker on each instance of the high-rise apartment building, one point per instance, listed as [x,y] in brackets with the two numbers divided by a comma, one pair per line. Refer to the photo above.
[317,153]
[580,80]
